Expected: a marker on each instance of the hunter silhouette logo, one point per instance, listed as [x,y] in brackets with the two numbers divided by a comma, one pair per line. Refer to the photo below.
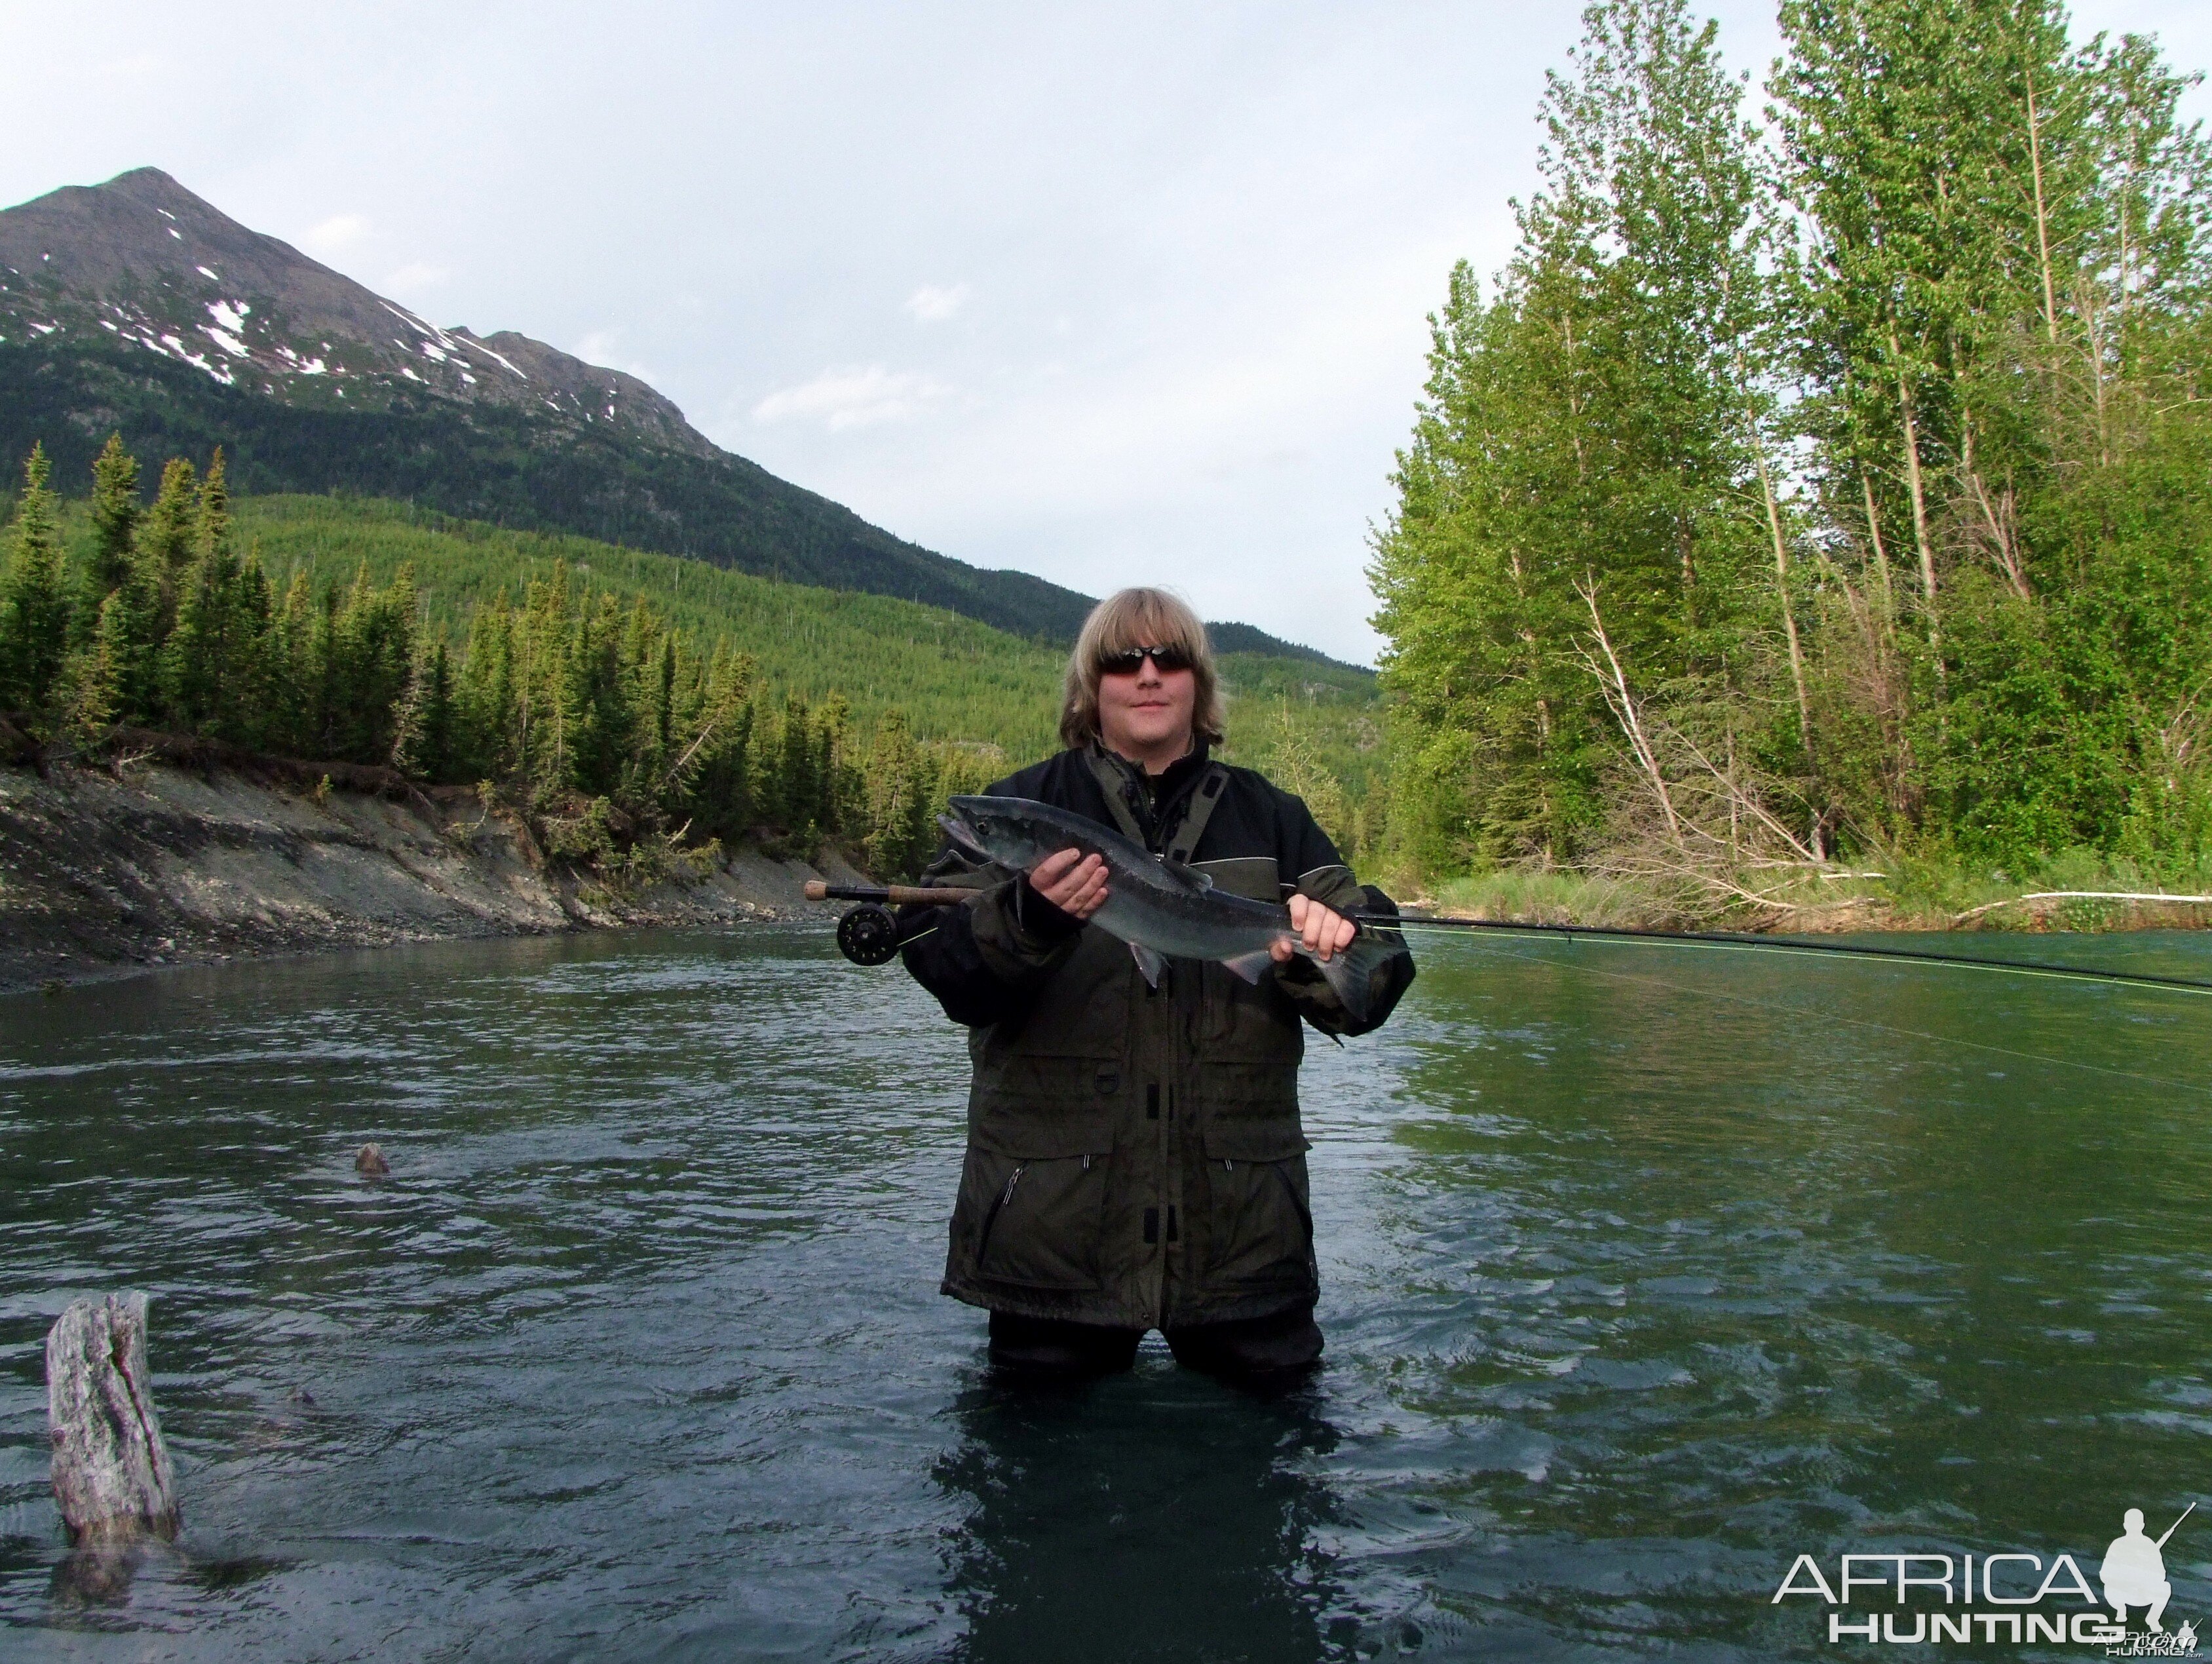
[2135,1570]
[2015,1596]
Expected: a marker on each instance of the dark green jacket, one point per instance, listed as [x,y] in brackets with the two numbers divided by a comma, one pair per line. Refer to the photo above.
[1135,1155]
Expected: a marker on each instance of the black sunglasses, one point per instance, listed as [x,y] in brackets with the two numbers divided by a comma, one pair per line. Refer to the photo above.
[1130,660]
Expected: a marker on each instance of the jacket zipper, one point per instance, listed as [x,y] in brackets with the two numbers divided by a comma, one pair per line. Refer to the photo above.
[983,1244]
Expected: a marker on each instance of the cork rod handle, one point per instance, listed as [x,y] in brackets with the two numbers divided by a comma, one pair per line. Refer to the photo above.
[894,895]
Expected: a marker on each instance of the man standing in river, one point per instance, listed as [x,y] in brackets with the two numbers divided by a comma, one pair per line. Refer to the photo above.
[1135,1159]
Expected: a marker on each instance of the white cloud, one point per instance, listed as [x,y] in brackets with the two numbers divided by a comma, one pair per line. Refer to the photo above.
[413,279]
[336,234]
[931,304]
[856,397]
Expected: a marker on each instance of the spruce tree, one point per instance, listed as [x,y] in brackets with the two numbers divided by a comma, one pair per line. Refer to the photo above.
[486,720]
[162,543]
[713,769]
[429,742]
[115,511]
[918,831]
[124,661]
[841,789]
[900,825]
[35,606]
[389,660]
[197,667]
[661,695]
[796,787]
[290,670]
[250,714]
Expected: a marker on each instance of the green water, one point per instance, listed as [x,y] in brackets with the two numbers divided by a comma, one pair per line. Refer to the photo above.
[1645,1271]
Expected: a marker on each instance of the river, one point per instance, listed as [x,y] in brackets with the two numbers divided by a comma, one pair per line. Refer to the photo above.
[1645,1271]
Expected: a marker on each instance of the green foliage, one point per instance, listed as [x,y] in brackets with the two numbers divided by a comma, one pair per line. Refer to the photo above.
[215,672]
[162,543]
[1585,449]
[114,521]
[972,702]
[35,606]
[600,692]
[954,677]
[1717,547]
[1294,766]
[123,678]
[1333,712]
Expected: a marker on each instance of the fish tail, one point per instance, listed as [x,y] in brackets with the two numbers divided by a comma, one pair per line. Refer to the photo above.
[1351,973]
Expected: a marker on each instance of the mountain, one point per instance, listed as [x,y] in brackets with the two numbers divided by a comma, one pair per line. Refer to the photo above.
[158,268]
[136,307]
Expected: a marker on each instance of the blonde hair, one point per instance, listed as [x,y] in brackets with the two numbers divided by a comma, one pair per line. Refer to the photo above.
[1138,618]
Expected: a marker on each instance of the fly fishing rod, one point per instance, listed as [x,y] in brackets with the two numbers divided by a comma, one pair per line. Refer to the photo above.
[868,934]
[2176,1526]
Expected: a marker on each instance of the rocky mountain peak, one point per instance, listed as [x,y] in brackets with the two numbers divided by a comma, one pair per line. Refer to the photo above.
[145,263]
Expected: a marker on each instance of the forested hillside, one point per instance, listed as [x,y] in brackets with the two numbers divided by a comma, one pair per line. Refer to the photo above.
[631,706]
[1839,489]
[954,680]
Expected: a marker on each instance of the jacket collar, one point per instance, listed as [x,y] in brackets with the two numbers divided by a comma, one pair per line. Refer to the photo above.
[1158,811]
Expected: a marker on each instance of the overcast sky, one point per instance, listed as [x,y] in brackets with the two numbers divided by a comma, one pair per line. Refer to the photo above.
[1110,294]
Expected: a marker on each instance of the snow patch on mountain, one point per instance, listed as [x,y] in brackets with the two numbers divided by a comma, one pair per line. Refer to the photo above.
[173,348]
[283,320]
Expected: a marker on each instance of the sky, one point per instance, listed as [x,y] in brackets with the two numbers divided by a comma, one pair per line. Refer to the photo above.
[1111,294]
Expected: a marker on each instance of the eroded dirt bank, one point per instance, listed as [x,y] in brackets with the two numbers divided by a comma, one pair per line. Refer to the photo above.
[100,875]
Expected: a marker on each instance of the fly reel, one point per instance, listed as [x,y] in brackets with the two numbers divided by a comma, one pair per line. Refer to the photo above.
[868,934]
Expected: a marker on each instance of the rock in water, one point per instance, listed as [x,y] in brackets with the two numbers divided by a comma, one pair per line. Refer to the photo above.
[111,1472]
[370,1163]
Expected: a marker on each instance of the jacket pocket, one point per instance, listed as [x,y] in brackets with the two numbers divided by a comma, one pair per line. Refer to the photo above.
[1259,1209]
[1032,1095]
[1263,1091]
[1032,1207]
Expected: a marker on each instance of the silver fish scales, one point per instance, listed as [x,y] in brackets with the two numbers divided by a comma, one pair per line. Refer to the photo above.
[1162,909]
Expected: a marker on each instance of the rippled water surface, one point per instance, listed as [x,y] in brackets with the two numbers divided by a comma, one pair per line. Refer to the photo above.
[1645,1270]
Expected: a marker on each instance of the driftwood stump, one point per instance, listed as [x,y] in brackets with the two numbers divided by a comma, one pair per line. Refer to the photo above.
[111,1472]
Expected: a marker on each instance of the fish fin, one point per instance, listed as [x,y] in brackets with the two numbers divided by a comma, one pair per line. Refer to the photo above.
[1351,973]
[1151,963]
[1252,966]
[1188,875]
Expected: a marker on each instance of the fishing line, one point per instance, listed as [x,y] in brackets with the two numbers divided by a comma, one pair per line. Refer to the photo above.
[1655,939]
[874,923]
[1572,932]
[1864,1022]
